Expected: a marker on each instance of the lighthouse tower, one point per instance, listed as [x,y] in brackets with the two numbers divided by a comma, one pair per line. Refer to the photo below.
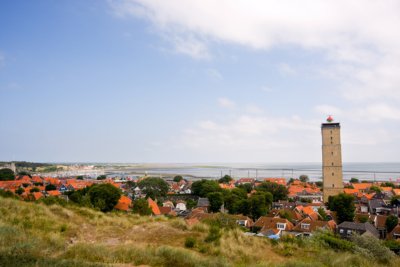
[331,159]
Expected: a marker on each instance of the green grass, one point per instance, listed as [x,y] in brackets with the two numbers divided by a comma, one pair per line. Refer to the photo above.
[33,234]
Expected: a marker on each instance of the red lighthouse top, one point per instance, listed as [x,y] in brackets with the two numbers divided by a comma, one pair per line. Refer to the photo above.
[329,119]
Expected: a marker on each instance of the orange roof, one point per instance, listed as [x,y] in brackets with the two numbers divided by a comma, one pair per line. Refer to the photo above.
[396,192]
[154,207]
[361,186]
[308,210]
[281,181]
[37,179]
[54,193]
[124,203]
[37,195]
[227,186]
[350,191]
[386,188]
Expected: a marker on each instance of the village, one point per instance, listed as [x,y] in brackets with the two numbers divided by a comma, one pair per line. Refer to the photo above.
[299,213]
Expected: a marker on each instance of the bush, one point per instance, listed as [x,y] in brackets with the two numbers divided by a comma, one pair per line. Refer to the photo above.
[53,201]
[190,242]
[214,234]
[6,174]
[104,196]
[334,242]
[373,248]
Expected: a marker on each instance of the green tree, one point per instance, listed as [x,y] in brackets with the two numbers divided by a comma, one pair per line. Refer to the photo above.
[50,187]
[343,205]
[216,200]
[141,206]
[323,214]
[80,177]
[233,198]
[354,180]
[375,189]
[154,187]
[391,222]
[101,177]
[178,178]
[104,196]
[320,184]
[388,184]
[23,173]
[304,178]
[190,203]
[246,187]
[395,200]
[279,192]
[6,174]
[35,189]
[203,187]
[257,206]
[19,191]
[225,180]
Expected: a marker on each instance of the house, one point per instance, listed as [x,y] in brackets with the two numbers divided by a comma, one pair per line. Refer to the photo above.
[244,221]
[281,181]
[362,187]
[245,181]
[378,206]
[395,233]
[272,226]
[167,211]
[168,203]
[53,193]
[346,229]
[307,226]
[154,207]
[380,225]
[203,203]
[123,204]
[180,205]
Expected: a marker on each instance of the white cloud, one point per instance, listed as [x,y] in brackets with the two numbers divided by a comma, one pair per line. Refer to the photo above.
[356,35]
[226,103]
[286,70]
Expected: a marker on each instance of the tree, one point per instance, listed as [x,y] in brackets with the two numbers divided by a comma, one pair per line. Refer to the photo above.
[216,200]
[35,189]
[6,174]
[141,206]
[354,180]
[279,192]
[257,206]
[225,180]
[101,177]
[50,187]
[19,191]
[154,187]
[203,187]
[104,196]
[375,189]
[319,184]
[190,203]
[246,187]
[388,184]
[304,178]
[23,173]
[233,198]
[178,178]
[291,180]
[391,222]
[80,177]
[323,214]
[343,205]
[395,200]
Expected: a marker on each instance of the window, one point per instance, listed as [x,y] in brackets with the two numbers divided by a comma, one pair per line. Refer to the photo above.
[341,231]
[332,163]
[333,174]
[305,226]
[332,153]
[333,185]
[280,226]
[349,232]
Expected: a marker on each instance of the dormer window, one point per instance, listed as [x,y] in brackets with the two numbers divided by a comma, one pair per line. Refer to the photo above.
[305,226]
[281,226]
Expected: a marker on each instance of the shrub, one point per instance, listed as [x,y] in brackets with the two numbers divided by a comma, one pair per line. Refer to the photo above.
[53,201]
[214,234]
[373,248]
[334,242]
[190,242]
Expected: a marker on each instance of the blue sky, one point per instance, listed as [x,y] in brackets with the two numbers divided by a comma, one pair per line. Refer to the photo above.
[197,81]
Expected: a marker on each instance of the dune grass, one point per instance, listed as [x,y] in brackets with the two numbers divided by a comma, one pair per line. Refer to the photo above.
[33,234]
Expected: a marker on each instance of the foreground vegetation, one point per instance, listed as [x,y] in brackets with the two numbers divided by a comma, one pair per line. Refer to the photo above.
[35,234]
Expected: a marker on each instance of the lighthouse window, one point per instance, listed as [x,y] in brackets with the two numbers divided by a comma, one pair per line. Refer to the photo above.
[332,153]
[333,174]
[332,163]
[333,185]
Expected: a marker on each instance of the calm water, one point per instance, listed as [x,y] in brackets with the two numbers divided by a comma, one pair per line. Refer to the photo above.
[362,171]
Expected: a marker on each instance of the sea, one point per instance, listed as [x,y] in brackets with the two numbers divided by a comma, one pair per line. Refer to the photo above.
[376,171]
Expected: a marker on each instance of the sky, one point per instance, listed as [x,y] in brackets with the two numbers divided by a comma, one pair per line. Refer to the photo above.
[198,80]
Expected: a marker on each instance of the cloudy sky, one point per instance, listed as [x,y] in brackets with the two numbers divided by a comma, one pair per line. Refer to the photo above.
[198,80]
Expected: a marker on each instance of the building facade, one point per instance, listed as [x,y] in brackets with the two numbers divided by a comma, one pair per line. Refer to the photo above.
[331,159]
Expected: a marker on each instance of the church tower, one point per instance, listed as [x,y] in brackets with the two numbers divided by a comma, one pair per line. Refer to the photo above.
[331,159]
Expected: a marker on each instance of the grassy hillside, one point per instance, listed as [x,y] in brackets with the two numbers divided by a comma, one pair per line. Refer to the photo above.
[33,234]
